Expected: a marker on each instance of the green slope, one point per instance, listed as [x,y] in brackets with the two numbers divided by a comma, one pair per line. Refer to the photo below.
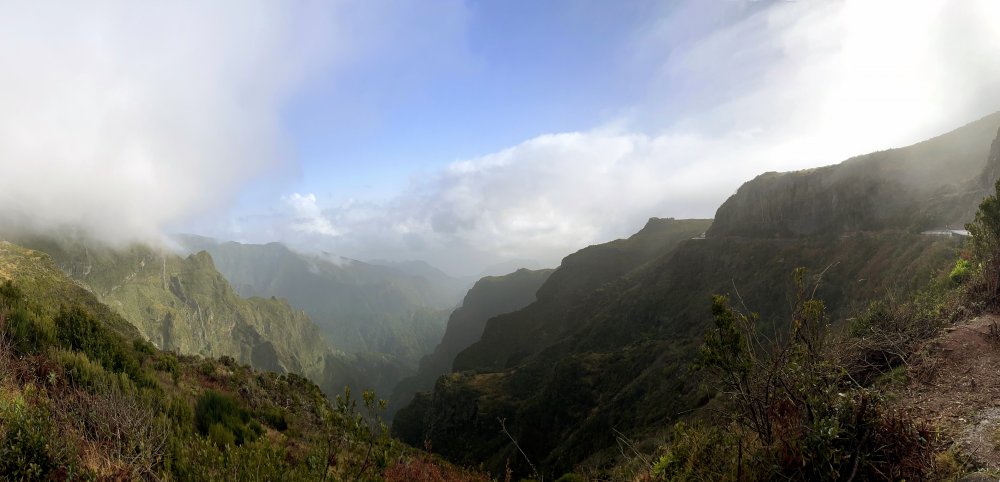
[184,304]
[84,397]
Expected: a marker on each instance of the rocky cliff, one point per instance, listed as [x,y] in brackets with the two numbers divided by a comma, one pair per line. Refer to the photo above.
[933,184]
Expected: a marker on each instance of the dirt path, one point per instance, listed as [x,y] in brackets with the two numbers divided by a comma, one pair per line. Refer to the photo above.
[955,386]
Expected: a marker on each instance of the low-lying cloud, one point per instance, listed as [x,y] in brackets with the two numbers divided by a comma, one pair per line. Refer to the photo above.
[790,86]
[122,117]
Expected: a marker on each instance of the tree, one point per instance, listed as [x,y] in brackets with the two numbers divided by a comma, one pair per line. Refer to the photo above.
[985,246]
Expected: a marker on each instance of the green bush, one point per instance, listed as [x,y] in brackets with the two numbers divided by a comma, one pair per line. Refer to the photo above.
[29,332]
[168,363]
[79,369]
[30,448]
[275,417]
[216,412]
[793,410]
[77,329]
[961,272]
[984,244]
[698,453]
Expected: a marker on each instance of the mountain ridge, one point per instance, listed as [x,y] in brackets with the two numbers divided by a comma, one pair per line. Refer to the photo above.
[617,362]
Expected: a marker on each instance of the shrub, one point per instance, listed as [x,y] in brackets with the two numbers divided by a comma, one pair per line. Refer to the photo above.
[698,453]
[216,412]
[24,450]
[28,332]
[79,369]
[78,330]
[166,362]
[984,244]
[30,447]
[795,413]
[275,417]
[961,272]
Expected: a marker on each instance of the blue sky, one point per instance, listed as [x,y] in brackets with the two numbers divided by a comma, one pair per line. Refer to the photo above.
[500,73]
[464,133]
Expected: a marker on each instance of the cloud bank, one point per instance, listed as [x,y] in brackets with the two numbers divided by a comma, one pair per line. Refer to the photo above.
[128,118]
[123,117]
[790,86]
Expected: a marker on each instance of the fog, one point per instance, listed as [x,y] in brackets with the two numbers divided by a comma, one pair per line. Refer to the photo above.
[119,118]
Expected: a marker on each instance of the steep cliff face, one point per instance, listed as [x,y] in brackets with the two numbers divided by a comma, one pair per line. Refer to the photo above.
[489,297]
[623,363]
[566,293]
[184,304]
[932,184]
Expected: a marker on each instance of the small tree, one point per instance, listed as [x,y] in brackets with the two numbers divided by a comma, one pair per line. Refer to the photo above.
[985,246]
[795,415]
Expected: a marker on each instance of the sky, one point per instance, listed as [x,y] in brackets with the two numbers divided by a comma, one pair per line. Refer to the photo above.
[462,133]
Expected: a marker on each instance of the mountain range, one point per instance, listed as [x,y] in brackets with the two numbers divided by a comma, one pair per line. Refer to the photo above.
[540,372]
[603,354]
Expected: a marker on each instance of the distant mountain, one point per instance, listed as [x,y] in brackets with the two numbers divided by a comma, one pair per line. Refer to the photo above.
[509,266]
[454,288]
[361,307]
[607,346]
[491,296]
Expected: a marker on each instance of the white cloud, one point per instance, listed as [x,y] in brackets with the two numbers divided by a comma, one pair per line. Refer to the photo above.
[121,117]
[128,118]
[308,217]
[791,86]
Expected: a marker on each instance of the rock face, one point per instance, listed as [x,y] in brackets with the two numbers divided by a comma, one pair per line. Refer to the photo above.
[489,297]
[923,186]
[567,292]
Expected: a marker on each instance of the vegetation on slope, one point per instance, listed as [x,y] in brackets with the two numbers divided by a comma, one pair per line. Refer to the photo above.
[850,405]
[186,305]
[81,400]
[613,362]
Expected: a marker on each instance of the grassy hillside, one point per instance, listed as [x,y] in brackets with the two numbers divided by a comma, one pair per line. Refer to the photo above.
[84,397]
